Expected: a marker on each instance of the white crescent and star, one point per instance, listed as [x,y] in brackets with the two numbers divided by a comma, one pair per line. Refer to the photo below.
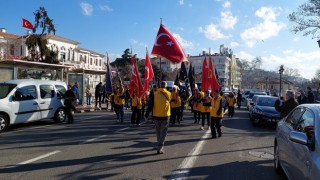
[169,43]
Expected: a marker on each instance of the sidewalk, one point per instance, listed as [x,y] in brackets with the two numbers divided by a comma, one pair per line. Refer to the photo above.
[91,108]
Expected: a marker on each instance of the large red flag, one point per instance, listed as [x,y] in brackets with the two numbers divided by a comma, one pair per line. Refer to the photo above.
[205,74]
[212,76]
[135,83]
[26,24]
[168,47]
[148,73]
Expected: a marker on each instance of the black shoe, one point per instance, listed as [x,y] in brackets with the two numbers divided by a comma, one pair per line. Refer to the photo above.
[219,135]
[212,137]
[160,151]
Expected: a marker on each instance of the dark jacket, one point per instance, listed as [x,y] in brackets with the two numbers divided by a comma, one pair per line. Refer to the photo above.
[310,97]
[286,106]
[69,99]
[302,99]
[98,90]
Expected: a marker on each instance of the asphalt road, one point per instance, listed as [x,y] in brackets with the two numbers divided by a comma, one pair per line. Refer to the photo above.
[98,147]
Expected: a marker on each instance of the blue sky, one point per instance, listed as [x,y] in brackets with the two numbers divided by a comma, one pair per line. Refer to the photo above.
[249,27]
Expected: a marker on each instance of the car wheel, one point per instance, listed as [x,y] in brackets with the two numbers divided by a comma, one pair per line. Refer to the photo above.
[60,115]
[276,161]
[4,123]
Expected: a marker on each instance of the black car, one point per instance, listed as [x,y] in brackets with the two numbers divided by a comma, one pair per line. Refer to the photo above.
[262,110]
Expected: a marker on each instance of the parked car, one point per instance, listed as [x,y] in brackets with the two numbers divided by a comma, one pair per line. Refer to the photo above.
[262,110]
[249,98]
[297,143]
[31,100]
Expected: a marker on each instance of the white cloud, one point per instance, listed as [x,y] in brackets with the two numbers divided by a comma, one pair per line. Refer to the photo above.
[136,42]
[181,2]
[234,44]
[106,8]
[184,43]
[265,30]
[226,4]
[212,32]
[289,51]
[86,8]
[296,39]
[245,55]
[227,20]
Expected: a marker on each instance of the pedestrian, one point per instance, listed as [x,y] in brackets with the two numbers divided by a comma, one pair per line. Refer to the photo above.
[302,98]
[287,105]
[216,114]
[119,101]
[69,102]
[112,101]
[205,109]
[231,101]
[175,104]
[136,109]
[104,93]
[143,103]
[196,99]
[75,89]
[184,97]
[88,95]
[98,94]
[160,107]
[127,98]
[239,98]
[310,96]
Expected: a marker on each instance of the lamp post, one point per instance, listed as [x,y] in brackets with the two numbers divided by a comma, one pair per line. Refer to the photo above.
[280,72]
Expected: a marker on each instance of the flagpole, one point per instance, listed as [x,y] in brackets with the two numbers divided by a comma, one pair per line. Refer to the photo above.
[160,74]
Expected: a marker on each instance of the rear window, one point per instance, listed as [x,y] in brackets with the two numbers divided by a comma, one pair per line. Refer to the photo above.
[5,89]
[264,101]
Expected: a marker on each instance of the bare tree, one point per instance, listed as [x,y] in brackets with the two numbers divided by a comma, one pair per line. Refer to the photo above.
[306,19]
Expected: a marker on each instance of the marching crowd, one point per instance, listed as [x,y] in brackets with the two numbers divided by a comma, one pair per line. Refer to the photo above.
[168,105]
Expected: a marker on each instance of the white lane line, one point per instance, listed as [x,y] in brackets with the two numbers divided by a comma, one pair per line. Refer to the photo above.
[184,168]
[32,160]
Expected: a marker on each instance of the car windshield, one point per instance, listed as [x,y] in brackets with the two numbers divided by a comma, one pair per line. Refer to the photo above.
[265,101]
[5,89]
[252,94]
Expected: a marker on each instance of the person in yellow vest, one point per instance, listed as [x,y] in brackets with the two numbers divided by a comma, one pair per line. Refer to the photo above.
[196,105]
[119,101]
[205,109]
[216,114]
[136,109]
[160,107]
[231,101]
[175,105]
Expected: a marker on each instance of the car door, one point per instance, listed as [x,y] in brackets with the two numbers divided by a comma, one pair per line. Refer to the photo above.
[46,101]
[301,155]
[283,137]
[25,105]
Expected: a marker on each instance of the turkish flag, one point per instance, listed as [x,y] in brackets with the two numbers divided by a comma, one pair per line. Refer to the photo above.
[26,24]
[167,46]
[205,75]
[212,76]
[135,83]
[148,73]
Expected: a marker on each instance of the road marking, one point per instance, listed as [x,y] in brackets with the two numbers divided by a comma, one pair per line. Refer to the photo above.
[32,160]
[184,168]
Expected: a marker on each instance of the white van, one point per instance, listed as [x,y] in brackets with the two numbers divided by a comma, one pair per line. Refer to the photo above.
[31,100]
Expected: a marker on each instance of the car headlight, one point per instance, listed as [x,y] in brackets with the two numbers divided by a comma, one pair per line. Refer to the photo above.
[257,111]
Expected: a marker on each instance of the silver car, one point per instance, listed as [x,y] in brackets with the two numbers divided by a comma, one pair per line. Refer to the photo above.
[297,143]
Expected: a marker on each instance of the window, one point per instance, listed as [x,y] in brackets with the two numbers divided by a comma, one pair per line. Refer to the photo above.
[61,90]
[306,122]
[26,93]
[46,91]
[294,117]
[63,56]
[90,61]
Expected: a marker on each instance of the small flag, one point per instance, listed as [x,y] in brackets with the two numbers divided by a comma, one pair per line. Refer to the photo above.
[27,24]
[148,73]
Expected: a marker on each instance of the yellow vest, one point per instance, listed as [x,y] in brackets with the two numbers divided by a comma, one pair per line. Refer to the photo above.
[161,105]
[197,105]
[136,102]
[205,109]
[118,100]
[215,105]
[175,96]
[231,101]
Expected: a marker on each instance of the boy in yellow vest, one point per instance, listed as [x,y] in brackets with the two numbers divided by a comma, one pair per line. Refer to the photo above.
[175,106]
[216,114]
[136,109]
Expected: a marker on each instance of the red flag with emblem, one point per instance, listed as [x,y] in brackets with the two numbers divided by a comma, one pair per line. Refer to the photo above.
[212,76]
[135,83]
[26,24]
[148,73]
[168,47]
[205,75]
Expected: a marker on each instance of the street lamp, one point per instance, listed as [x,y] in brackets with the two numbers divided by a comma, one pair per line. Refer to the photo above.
[280,72]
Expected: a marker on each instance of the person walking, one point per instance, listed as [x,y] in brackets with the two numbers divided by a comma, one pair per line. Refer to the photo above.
[143,103]
[287,105]
[310,96]
[231,101]
[104,93]
[175,104]
[216,114]
[302,98]
[88,95]
[160,107]
[196,103]
[205,109]
[239,98]
[75,89]
[119,101]
[98,94]
[136,109]
[69,102]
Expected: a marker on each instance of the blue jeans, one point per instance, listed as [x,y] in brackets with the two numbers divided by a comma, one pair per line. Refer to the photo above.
[119,111]
[88,100]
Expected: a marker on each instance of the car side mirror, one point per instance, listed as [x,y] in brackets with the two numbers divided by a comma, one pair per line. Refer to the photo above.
[298,137]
